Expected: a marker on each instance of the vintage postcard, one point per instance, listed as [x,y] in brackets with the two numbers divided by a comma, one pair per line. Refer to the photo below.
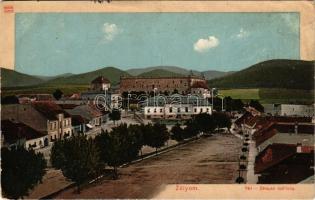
[157,99]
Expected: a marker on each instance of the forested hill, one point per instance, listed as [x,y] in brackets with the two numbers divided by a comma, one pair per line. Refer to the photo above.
[291,74]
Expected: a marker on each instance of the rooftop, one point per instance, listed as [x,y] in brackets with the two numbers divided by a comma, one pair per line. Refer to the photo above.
[13,131]
[276,153]
[100,80]
[49,109]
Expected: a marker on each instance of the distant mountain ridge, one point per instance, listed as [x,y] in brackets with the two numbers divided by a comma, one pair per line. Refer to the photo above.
[209,74]
[11,78]
[291,74]
[278,73]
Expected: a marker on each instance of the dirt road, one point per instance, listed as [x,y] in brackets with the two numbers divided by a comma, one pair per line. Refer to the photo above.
[211,160]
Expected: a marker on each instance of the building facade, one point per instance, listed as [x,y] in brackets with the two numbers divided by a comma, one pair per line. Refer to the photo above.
[46,117]
[183,107]
[159,84]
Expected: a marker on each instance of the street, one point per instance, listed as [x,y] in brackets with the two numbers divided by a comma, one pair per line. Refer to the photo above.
[211,160]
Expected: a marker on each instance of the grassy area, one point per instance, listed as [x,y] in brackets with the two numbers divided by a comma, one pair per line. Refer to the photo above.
[241,93]
[271,95]
[66,89]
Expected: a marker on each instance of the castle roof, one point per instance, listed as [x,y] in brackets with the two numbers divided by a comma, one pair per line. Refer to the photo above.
[100,80]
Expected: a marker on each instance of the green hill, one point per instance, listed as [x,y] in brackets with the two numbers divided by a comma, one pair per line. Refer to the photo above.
[111,73]
[290,74]
[209,74]
[11,78]
[160,73]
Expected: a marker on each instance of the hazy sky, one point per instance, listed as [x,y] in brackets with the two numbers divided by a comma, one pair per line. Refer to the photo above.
[50,44]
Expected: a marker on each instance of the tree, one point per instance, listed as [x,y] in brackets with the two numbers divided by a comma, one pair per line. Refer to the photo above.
[204,122]
[175,91]
[238,105]
[136,141]
[80,159]
[119,146]
[10,100]
[115,115]
[255,104]
[177,133]
[191,129]
[221,120]
[157,136]
[21,171]
[57,94]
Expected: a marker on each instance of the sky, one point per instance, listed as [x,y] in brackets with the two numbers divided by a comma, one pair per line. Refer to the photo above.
[56,43]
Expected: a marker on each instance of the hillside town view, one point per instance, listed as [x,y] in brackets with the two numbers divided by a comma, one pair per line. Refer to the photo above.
[73,132]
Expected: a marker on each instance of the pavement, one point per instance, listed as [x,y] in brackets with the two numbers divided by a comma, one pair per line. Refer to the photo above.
[251,177]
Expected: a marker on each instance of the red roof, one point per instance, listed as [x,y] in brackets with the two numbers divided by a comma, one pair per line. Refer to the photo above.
[273,128]
[272,155]
[78,120]
[100,80]
[200,84]
[67,106]
[14,131]
[49,109]
[244,118]
[276,153]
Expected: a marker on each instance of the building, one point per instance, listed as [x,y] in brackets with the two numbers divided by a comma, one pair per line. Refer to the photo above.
[28,98]
[284,163]
[285,133]
[90,113]
[79,124]
[289,110]
[100,84]
[169,107]
[200,88]
[159,84]
[43,116]
[100,93]
[19,134]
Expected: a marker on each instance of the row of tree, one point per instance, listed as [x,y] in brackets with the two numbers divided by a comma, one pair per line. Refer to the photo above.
[201,123]
[81,159]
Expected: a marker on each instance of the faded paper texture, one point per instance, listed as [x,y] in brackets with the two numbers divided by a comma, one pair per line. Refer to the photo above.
[304,50]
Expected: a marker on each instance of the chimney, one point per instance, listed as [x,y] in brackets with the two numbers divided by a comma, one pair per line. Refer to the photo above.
[298,148]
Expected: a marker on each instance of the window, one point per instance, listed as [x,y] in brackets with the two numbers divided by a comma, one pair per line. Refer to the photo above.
[171,109]
[154,110]
[149,110]
[207,109]
[201,110]
[161,110]
[178,109]
[186,109]
[195,109]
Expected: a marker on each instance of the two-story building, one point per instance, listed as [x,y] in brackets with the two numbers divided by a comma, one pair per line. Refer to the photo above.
[169,107]
[19,134]
[43,116]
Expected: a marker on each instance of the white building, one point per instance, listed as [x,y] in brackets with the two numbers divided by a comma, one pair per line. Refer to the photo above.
[297,110]
[170,108]
[289,110]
